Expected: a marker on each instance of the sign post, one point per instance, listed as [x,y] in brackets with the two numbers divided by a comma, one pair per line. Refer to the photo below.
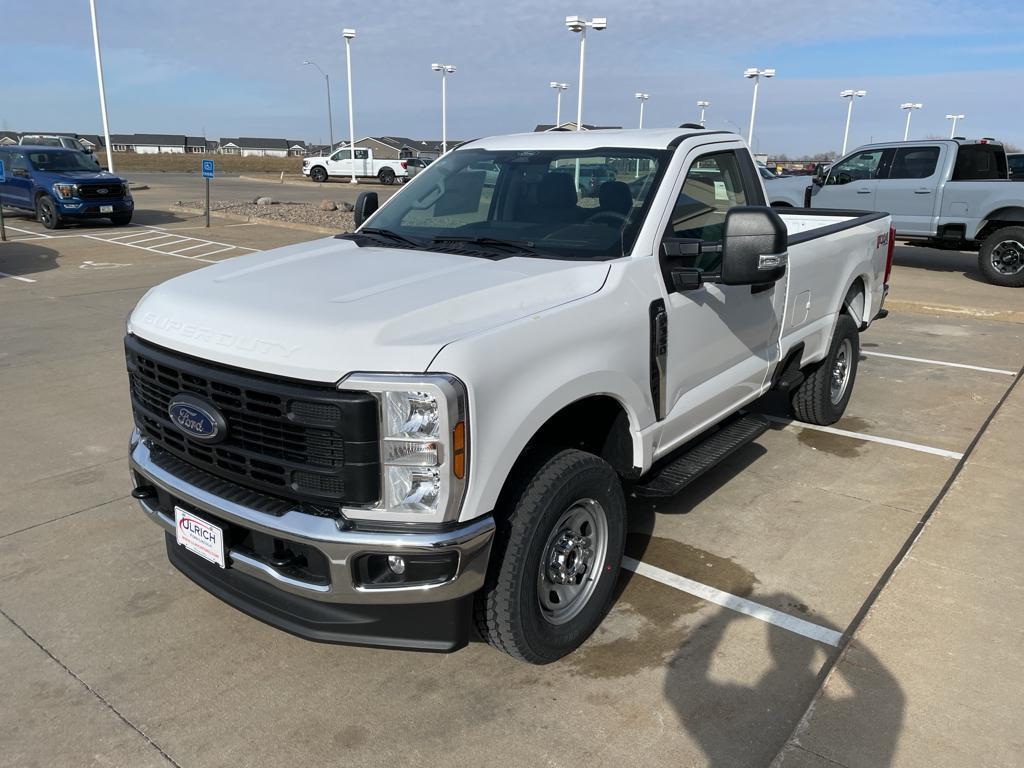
[207,175]
[3,180]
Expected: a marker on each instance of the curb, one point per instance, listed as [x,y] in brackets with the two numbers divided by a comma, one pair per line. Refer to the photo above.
[272,180]
[256,220]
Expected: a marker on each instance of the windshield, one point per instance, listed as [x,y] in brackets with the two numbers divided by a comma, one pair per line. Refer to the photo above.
[561,204]
[63,161]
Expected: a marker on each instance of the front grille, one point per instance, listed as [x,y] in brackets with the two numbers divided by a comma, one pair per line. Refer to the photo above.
[303,442]
[100,191]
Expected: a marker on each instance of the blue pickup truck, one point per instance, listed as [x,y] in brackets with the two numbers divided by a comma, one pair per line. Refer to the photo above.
[62,185]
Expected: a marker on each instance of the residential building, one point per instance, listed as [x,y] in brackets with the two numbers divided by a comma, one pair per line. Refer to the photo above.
[195,145]
[229,147]
[8,137]
[571,126]
[148,143]
[250,147]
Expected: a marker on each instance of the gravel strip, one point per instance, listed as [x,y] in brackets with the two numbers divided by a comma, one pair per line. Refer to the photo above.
[294,213]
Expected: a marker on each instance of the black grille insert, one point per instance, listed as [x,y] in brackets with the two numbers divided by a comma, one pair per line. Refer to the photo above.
[294,440]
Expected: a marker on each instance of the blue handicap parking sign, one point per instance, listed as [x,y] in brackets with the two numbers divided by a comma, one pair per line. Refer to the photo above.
[207,169]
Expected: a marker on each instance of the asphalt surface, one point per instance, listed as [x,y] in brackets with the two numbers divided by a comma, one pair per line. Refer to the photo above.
[113,658]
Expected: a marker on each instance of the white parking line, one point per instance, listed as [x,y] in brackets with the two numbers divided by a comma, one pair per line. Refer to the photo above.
[734,603]
[869,438]
[151,250]
[938,362]
[190,248]
[15,277]
[161,236]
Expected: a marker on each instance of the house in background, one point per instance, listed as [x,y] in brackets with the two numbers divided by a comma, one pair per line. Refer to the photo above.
[382,150]
[91,141]
[296,148]
[229,147]
[212,146]
[195,145]
[8,137]
[263,147]
[148,143]
[571,126]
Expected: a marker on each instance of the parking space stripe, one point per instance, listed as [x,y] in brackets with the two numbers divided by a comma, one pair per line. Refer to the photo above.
[190,248]
[734,603]
[15,277]
[869,438]
[151,250]
[161,236]
[938,362]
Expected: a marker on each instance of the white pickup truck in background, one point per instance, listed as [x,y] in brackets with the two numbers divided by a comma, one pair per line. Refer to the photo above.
[948,193]
[387,436]
[340,163]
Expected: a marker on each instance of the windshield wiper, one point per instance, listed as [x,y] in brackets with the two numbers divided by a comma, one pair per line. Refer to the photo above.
[387,233]
[520,246]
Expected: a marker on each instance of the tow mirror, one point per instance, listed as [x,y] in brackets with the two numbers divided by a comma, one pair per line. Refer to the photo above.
[366,205]
[755,246]
[820,172]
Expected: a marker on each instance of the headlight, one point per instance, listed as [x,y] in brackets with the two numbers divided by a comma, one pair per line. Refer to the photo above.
[64,191]
[424,446]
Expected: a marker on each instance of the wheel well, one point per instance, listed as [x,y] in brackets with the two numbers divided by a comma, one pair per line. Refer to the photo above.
[597,424]
[780,204]
[1000,218]
[856,291]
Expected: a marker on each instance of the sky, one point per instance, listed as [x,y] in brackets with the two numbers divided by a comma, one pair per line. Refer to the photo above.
[226,68]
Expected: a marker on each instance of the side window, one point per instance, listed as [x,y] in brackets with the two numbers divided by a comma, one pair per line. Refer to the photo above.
[914,163]
[977,162]
[361,154]
[341,154]
[870,164]
[19,162]
[712,186]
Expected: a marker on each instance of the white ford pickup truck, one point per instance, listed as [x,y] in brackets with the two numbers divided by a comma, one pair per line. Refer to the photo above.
[951,193]
[390,436]
[341,163]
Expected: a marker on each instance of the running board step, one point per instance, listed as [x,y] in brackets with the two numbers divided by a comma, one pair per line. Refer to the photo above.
[672,477]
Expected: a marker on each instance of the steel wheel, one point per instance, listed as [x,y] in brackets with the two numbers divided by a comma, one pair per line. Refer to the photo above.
[841,371]
[1008,257]
[572,561]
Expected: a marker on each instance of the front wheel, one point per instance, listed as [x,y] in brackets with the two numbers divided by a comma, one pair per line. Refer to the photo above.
[318,174]
[1001,257]
[121,219]
[46,213]
[386,176]
[556,560]
[823,395]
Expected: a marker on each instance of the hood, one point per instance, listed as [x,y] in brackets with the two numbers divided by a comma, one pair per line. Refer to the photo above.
[77,177]
[320,310]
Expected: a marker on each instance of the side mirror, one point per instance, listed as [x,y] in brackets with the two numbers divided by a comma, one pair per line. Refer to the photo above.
[755,246]
[820,172]
[678,260]
[366,205]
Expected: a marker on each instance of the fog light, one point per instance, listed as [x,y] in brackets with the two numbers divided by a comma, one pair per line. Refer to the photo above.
[397,564]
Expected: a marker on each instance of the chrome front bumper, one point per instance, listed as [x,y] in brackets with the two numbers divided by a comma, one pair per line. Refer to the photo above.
[471,541]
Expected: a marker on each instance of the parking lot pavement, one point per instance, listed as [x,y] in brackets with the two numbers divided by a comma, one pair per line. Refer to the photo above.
[742,587]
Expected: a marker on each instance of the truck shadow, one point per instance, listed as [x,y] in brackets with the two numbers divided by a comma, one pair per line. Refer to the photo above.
[18,259]
[937,260]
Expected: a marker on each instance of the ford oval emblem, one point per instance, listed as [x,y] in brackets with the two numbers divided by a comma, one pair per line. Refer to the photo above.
[197,418]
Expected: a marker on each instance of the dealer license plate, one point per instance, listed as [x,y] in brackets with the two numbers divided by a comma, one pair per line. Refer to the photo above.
[199,537]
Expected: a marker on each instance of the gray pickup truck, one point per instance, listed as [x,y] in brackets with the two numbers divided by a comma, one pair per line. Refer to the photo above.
[946,192]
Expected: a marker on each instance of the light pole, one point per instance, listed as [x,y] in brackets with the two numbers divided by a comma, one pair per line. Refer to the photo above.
[559,87]
[445,70]
[642,97]
[954,118]
[755,74]
[349,35]
[703,105]
[330,117]
[103,92]
[849,94]
[576,24]
[909,106]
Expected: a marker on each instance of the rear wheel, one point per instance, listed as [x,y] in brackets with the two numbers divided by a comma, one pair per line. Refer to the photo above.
[46,213]
[1001,257]
[318,173]
[823,395]
[386,176]
[556,559]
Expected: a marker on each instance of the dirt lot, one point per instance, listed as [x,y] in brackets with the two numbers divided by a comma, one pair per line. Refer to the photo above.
[712,653]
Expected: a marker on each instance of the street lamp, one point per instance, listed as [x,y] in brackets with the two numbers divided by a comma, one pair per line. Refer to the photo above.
[755,74]
[445,70]
[954,118]
[559,87]
[910,107]
[349,35]
[642,97]
[330,117]
[576,24]
[849,94]
[703,105]
[103,93]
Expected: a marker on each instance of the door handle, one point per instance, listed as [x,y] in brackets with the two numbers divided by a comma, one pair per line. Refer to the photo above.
[922,191]
[863,191]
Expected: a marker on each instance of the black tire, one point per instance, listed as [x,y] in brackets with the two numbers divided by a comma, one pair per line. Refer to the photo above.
[1001,257]
[386,176]
[508,610]
[121,219]
[46,213]
[815,401]
[318,174]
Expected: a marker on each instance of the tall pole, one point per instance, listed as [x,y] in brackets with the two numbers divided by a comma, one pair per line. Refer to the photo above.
[579,96]
[954,118]
[846,131]
[558,107]
[906,129]
[444,111]
[348,34]
[703,105]
[103,92]
[753,113]
[330,116]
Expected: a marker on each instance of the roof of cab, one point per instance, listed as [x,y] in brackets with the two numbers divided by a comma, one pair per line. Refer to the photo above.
[647,138]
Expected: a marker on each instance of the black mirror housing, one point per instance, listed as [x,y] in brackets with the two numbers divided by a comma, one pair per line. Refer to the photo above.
[366,205]
[755,246]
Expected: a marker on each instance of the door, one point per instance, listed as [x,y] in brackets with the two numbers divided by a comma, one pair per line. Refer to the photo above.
[17,190]
[851,183]
[910,192]
[721,338]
